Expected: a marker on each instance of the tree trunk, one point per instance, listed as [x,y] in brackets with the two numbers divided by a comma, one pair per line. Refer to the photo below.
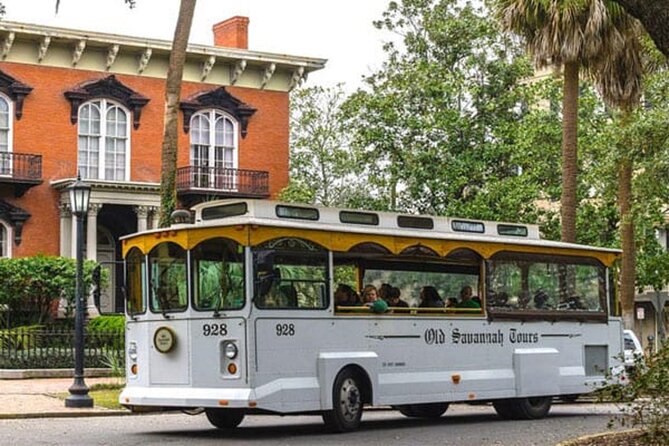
[569,151]
[654,15]
[168,194]
[628,267]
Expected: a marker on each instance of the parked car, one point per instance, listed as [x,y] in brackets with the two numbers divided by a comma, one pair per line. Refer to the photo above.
[633,352]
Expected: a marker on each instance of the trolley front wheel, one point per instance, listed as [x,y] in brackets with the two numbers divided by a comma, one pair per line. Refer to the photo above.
[225,418]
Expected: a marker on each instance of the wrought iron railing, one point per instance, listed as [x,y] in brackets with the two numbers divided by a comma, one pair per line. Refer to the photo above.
[20,166]
[223,181]
[30,348]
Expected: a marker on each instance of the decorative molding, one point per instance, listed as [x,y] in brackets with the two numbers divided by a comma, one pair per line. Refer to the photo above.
[16,217]
[7,44]
[15,90]
[237,71]
[143,211]
[108,87]
[267,75]
[78,52]
[112,52]
[144,60]
[65,211]
[218,98]
[296,78]
[43,47]
[94,209]
[207,66]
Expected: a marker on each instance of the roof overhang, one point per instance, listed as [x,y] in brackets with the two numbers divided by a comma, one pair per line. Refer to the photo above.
[112,53]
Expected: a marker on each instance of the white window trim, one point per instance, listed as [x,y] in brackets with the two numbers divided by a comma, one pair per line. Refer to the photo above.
[9,233]
[211,115]
[10,133]
[105,104]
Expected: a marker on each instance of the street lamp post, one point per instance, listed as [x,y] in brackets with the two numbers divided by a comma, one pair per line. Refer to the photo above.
[80,193]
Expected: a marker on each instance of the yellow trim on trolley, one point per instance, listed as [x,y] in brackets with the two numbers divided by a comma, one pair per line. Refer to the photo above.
[252,235]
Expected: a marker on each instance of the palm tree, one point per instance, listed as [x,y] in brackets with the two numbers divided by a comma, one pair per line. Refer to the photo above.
[618,79]
[168,195]
[568,34]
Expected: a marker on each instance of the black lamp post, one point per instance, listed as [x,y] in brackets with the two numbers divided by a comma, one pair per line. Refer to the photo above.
[80,194]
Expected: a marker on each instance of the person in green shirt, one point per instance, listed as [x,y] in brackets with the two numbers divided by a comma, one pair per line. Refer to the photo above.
[466,300]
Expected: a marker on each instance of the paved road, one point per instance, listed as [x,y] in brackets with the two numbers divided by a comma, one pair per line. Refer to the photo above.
[463,425]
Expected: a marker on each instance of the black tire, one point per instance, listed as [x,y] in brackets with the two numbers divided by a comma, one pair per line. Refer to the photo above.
[431,410]
[346,403]
[523,408]
[571,398]
[225,418]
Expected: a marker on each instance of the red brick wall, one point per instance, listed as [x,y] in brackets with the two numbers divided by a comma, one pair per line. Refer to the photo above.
[45,129]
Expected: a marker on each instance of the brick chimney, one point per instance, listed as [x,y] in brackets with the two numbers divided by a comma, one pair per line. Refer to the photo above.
[232,33]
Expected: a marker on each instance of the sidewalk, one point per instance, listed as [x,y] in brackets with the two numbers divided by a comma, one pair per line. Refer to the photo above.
[36,398]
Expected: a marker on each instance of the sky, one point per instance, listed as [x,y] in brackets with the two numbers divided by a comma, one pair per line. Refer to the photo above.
[338,30]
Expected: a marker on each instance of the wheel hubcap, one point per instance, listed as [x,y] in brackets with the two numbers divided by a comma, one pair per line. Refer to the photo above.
[349,400]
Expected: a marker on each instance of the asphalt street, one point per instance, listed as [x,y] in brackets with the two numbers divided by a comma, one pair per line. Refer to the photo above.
[463,425]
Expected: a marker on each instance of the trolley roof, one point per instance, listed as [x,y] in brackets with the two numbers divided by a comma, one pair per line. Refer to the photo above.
[233,212]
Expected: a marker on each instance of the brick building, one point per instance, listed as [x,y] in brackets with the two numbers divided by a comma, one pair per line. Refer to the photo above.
[74,101]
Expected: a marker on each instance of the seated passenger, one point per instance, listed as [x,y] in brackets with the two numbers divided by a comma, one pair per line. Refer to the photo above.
[451,302]
[429,298]
[384,291]
[394,299]
[288,296]
[345,296]
[467,299]
[501,300]
[369,295]
[541,300]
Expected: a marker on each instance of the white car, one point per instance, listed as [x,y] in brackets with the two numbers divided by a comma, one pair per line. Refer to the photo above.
[633,352]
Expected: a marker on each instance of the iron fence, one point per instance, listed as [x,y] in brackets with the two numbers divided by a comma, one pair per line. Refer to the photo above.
[46,348]
[232,182]
[21,166]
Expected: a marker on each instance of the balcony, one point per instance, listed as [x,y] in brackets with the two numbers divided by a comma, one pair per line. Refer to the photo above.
[195,183]
[20,171]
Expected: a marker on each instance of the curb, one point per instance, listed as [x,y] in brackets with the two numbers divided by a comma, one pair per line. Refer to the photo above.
[576,441]
[76,414]
[52,373]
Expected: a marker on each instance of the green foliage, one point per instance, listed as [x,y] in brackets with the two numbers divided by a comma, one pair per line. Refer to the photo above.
[33,283]
[644,399]
[107,324]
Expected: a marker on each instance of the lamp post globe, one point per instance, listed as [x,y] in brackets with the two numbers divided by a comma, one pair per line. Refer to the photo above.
[80,194]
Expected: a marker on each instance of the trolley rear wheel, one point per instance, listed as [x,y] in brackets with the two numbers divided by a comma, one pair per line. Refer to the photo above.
[225,418]
[523,408]
[430,410]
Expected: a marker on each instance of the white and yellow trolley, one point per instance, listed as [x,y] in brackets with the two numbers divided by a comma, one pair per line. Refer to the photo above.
[235,314]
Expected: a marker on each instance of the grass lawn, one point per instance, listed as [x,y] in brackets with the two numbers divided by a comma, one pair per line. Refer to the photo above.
[104,395]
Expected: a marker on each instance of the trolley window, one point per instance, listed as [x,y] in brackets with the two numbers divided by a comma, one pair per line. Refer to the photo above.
[218,275]
[290,273]
[135,278]
[167,278]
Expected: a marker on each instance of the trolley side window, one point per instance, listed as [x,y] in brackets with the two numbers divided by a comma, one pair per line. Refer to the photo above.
[135,279]
[546,284]
[290,273]
[218,275]
[167,278]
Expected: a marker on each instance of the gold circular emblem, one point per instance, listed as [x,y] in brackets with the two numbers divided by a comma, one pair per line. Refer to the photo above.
[164,339]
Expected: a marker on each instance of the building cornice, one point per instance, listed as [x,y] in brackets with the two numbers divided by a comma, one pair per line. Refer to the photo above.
[117,54]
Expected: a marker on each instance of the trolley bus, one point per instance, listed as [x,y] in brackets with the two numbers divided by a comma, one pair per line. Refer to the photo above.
[236,312]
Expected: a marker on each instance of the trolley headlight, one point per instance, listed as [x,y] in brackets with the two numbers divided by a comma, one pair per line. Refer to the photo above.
[132,351]
[230,350]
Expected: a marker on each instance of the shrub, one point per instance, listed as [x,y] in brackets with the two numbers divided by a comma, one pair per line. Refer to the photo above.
[33,283]
[107,324]
[644,399]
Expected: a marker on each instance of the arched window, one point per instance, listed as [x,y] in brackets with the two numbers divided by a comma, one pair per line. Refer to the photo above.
[5,135]
[5,240]
[104,143]
[213,142]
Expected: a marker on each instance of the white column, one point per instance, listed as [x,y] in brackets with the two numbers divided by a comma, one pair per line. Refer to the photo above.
[142,217]
[153,212]
[65,231]
[92,250]
[92,232]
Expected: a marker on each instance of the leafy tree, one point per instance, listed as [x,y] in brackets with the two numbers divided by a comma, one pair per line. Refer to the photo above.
[322,165]
[435,125]
[654,15]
